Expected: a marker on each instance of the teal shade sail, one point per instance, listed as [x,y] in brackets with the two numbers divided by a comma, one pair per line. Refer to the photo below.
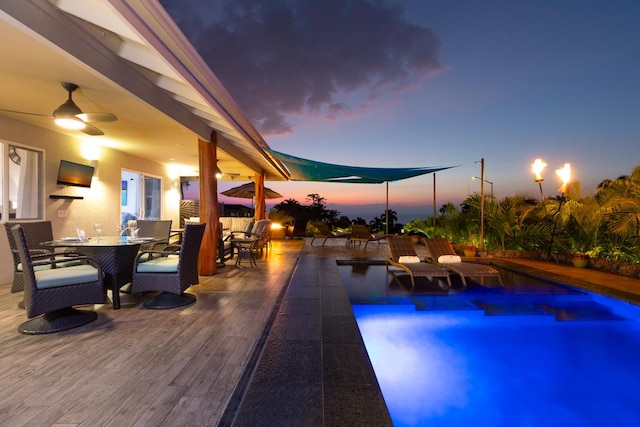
[311,170]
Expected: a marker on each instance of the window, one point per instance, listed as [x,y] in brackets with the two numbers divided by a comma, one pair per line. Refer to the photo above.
[141,196]
[21,182]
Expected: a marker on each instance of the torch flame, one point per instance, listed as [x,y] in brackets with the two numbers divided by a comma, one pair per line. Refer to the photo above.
[565,176]
[538,166]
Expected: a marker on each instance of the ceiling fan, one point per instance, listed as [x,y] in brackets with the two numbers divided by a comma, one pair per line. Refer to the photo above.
[69,116]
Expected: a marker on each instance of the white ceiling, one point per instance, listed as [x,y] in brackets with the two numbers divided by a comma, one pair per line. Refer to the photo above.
[128,58]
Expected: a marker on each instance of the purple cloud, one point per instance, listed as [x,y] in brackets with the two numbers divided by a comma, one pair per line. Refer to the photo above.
[280,58]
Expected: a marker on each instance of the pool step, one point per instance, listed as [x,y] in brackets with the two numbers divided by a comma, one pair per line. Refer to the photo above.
[563,308]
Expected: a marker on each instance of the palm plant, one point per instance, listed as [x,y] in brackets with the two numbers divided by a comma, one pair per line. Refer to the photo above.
[586,220]
[507,223]
[606,225]
[419,226]
[621,200]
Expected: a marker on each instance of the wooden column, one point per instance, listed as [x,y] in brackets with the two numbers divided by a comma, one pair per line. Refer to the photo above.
[259,195]
[208,205]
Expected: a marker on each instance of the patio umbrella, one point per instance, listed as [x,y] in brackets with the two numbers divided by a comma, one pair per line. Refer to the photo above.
[248,191]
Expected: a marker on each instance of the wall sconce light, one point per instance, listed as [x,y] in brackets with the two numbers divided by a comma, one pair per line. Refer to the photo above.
[175,184]
[218,171]
[94,163]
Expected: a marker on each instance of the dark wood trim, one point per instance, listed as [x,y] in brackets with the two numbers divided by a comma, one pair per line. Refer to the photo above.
[65,197]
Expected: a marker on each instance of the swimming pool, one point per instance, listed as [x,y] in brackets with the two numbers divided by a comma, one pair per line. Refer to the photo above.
[532,353]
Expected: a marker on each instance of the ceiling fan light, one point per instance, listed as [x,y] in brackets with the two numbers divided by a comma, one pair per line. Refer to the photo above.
[68,109]
[70,123]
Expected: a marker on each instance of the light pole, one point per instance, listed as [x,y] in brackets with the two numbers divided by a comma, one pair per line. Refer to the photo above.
[487,181]
[565,176]
[481,161]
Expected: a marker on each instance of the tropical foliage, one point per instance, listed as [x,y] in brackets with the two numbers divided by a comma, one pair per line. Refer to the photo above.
[606,224]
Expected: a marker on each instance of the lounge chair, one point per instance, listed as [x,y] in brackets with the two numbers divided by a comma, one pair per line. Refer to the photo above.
[443,254]
[297,230]
[322,231]
[260,235]
[361,234]
[404,256]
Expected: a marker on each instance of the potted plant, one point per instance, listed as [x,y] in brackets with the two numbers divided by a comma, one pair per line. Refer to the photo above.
[470,251]
[580,260]
[471,248]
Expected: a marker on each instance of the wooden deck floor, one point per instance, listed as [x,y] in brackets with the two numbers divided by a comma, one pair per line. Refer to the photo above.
[137,367]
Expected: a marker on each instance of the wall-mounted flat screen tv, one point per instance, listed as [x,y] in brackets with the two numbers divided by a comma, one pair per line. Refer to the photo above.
[75,174]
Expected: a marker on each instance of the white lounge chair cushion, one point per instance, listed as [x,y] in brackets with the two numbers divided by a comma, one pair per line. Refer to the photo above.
[168,264]
[66,276]
[449,259]
[409,259]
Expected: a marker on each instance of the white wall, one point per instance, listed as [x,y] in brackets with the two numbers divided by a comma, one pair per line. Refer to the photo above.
[101,203]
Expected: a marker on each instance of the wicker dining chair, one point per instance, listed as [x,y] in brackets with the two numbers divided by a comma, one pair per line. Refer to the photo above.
[160,230]
[51,292]
[169,272]
[34,233]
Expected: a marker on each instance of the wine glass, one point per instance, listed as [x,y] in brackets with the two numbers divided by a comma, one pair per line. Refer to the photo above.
[120,229]
[98,228]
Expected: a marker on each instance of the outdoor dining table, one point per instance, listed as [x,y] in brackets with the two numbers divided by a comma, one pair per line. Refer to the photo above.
[115,255]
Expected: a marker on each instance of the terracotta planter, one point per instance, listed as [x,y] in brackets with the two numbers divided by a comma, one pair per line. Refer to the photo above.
[580,260]
[469,251]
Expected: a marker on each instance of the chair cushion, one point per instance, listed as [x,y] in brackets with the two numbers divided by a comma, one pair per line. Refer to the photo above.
[56,277]
[48,266]
[35,268]
[248,229]
[168,264]
[449,259]
[408,259]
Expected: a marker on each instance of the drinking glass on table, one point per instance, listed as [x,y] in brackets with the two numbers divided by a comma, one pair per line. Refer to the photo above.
[98,228]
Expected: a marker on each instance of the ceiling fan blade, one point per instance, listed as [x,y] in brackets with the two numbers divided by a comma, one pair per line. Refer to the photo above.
[91,130]
[97,117]
[24,113]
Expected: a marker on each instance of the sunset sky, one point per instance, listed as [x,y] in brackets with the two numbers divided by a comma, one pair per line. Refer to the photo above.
[430,83]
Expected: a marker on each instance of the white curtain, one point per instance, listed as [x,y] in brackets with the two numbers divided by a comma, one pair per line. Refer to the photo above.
[27,183]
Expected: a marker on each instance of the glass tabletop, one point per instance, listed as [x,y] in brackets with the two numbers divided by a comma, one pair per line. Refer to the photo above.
[99,241]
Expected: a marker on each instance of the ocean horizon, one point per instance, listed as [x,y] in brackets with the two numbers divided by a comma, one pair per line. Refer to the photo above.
[370,211]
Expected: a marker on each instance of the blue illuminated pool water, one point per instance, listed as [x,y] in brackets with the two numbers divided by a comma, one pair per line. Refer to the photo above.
[529,354]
